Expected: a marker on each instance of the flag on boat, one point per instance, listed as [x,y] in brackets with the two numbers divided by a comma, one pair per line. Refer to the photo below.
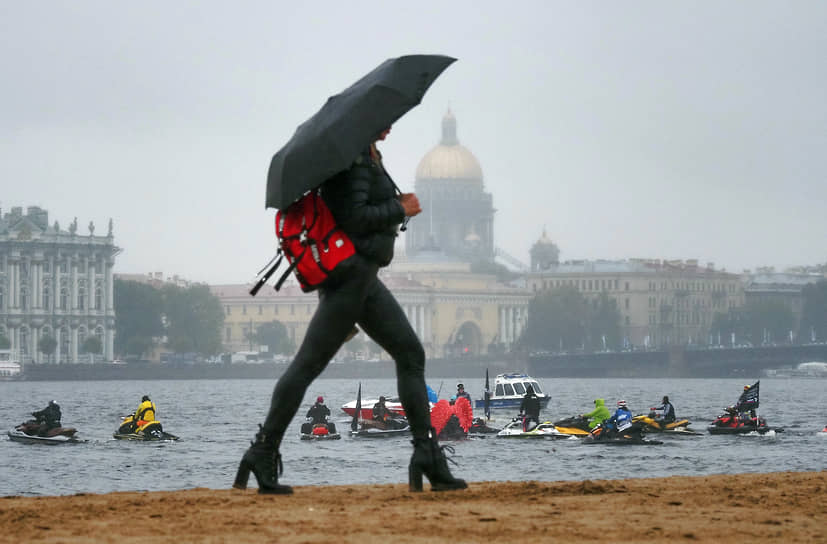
[749,398]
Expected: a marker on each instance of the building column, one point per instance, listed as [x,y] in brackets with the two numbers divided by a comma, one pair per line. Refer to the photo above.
[57,349]
[14,284]
[501,312]
[421,319]
[109,344]
[73,344]
[90,284]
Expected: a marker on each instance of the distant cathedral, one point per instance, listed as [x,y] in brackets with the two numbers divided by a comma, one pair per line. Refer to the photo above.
[458,220]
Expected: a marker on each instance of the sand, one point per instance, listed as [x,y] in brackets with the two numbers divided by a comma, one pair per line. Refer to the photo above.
[778,507]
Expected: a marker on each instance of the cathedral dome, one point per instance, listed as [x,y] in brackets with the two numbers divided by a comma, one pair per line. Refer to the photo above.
[449,160]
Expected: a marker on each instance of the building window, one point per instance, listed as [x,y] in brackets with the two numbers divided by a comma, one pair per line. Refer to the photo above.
[244,310]
[229,332]
[1,298]
[46,297]
[98,298]
[24,298]
[627,285]
[626,303]
[276,309]
[81,298]
[260,309]
[228,309]
[64,298]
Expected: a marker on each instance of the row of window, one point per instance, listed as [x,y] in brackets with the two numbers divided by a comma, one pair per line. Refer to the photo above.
[62,303]
[62,266]
[692,286]
[260,309]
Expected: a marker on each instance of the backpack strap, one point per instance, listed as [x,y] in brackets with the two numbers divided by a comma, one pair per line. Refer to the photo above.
[260,283]
[290,269]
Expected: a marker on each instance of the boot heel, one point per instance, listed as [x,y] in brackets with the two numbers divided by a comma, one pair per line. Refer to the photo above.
[242,475]
[414,478]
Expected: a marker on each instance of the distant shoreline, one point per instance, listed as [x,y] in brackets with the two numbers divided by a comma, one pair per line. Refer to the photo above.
[204,371]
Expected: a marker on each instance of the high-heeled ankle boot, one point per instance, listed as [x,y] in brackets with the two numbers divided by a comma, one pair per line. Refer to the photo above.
[262,458]
[429,458]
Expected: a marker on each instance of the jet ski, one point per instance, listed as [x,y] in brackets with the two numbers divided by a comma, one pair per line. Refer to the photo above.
[516,429]
[33,432]
[651,425]
[632,436]
[731,423]
[480,426]
[574,426]
[147,430]
[370,428]
[319,431]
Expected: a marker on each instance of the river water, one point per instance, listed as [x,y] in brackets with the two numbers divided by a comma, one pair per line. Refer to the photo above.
[216,419]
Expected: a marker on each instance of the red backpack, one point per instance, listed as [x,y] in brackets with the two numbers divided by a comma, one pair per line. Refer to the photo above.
[312,241]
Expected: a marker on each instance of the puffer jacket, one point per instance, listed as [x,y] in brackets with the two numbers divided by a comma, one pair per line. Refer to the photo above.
[363,201]
[599,413]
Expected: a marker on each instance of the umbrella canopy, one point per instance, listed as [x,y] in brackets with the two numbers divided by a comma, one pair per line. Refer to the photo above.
[330,141]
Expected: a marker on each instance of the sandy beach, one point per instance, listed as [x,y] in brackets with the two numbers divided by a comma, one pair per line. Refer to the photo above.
[778,507]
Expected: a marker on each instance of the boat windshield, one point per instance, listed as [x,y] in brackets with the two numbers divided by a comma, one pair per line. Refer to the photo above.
[536,387]
[499,391]
[508,389]
[518,387]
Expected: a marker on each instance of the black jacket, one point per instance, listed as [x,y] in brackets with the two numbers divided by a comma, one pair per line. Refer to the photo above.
[318,412]
[51,414]
[363,201]
[531,406]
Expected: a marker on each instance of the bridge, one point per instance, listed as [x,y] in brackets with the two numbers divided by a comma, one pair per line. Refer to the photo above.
[677,362]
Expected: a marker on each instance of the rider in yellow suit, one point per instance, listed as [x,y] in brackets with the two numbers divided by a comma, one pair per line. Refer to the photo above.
[145,412]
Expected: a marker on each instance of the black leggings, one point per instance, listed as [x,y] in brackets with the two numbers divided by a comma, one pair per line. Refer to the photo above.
[359,298]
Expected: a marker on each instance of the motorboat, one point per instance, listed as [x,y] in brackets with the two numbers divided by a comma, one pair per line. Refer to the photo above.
[366,412]
[509,390]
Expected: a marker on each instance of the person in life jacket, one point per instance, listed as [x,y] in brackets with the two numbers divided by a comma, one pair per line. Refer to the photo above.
[145,412]
[380,410]
[621,420]
[49,417]
[461,392]
[318,413]
[666,412]
[530,409]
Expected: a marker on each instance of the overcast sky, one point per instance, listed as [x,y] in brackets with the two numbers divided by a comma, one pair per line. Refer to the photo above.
[637,129]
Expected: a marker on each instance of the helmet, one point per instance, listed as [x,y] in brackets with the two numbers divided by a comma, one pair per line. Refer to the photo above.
[145,398]
[665,398]
[621,404]
[746,387]
[460,386]
[382,399]
[320,399]
[52,403]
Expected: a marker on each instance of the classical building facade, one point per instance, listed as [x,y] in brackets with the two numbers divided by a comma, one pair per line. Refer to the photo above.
[54,283]
[661,303]
[453,311]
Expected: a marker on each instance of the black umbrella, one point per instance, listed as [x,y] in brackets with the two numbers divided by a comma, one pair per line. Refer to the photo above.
[330,141]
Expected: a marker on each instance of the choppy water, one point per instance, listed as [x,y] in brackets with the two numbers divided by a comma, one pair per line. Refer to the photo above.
[216,419]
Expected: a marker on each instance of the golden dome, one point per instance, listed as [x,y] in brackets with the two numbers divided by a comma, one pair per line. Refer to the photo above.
[449,160]
[544,239]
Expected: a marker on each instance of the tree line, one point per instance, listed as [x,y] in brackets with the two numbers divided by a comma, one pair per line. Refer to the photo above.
[562,319]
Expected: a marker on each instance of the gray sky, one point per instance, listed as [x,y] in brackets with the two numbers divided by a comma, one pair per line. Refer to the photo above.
[635,129]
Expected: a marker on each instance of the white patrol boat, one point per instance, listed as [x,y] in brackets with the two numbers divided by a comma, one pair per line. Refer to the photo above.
[509,390]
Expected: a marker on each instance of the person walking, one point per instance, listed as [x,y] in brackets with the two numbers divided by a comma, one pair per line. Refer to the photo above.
[364,203]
